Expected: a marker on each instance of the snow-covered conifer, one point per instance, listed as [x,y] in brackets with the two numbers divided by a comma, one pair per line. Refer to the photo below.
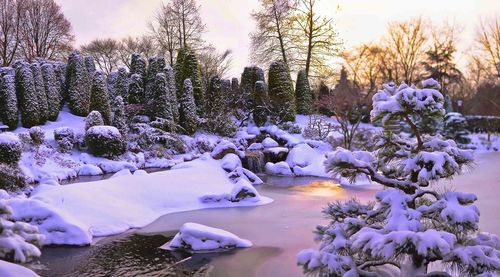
[122,83]
[27,95]
[156,65]
[162,103]
[93,119]
[120,118]
[303,95]
[217,111]
[110,83]
[138,66]
[260,110]
[411,224]
[89,65]
[188,118]
[8,101]
[60,72]
[455,128]
[281,95]
[249,77]
[105,141]
[187,67]
[40,92]
[174,103]
[135,90]
[99,100]
[52,91]
[77,85]
[10,148]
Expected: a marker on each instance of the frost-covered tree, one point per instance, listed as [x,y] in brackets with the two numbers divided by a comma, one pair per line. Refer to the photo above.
[89,64]
[135,90]
[162,104]
[99,100]
[188,118]
[120,118]
[187,67]
[281,95]
[138,65]
[26,95]
[250,75]
[52,91]
[110,83]
[172,90]
[77,85]
[260,102]
[93,119]
[411,224]
[155,66]
[122,83]
[8,101]
[60,72]
[455,128]
[217,110]
[303,94]
[40,92]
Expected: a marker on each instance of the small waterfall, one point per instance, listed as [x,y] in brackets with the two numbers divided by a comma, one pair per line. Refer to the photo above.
[254,161]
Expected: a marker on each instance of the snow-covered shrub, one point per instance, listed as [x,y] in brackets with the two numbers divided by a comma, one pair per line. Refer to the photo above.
[136,91]
[65,138]
[187,67]
[145,137]
[122,83]
[11,177]
[162,104]
[78,84]
[187,114]
[317,128]
[10,148]
[303,94]
[37,135]
[43,106]
[245,95]
[120,118]
[93,119]
[19,241]
[203,144]
[104,141]
[260,104]
[410,224]
[363,139]
[455,128]
[281,94]
[291,127]
[8,101]
[155,66]
[52,91]
[99,99]
[138,66]
[27,95]
[163,124]
[217,112]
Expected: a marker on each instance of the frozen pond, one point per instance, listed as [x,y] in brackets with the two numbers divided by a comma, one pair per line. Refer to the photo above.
[278,230]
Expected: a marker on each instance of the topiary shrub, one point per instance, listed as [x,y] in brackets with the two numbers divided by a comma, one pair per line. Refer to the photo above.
[104,141]
[11,177]
[93,119]
[10,148]
[65,138]
[37,135]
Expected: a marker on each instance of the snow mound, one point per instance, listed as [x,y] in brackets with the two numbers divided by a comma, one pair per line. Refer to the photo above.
[243,173]
[197,237]
[9,138]
[104,131]
[89,170]
[224,147]
[281,168]
[13,270]
[255,146]
[269,143]
[230,162]
[242,191]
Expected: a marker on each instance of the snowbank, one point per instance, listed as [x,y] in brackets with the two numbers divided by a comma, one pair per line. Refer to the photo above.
[13,270]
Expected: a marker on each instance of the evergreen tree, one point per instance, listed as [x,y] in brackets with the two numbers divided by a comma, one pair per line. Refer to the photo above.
[234,95]
[8,101]
[455,128]
[303,95]
[93,119]
[412,223]
[122,83]
[138,66]
[187,67]
[217,110]
[120,118]
[260,110]
[60,72]
[52,91]
[89,65]
[99,100]
[162,102]
[249,77]
[40,93]
[172,90]
[187,117]
[136,92]
[281,95]
[77,85]
[179,64]
[155,66]
[26,95]
[110,83]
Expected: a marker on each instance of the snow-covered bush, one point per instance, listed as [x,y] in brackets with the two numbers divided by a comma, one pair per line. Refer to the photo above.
[455,128]
[281,94]
[303,94]
[104,141]
[244,96]
[291,127]
[187,114]
[78,85]
[11,177]
[99,99]
[43,106]
[410,224]
[146,137]
[217,112]
[122,83]
[19,241]
[120,118]
[317,128]
[10,148]
[27,95]
[187,67]
[8,101]
[37,135]
[93,119]
[260,104]
[65,138]
[162,104]
[52,91]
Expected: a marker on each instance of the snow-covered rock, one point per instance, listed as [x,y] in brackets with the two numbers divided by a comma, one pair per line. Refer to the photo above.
[281,168]
[89,170]
[243,173]
[269,143]
[14,270]
[140,172]
[225,147]
[197,237]
[253,130]
[123,172]
[301,155]
[230,162]
[255,146]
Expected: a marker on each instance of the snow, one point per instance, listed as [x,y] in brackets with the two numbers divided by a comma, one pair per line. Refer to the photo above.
[255,146]
[112,206]
[281,168]
[89,170]
[13,270]
[104,131]
[197,237]
[225,147]
[269,143]
[230,162]
[9,138]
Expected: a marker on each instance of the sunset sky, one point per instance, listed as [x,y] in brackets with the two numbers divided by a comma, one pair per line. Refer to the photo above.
[229,21]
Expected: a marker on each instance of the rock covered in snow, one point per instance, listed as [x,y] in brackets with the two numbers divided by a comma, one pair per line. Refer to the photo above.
[89,170]
[243,173]
[13,270]
[230,162]
[223,148]
[123,172]
[253,130]
[241,191]
[281,168]
[255,146]
[269,143]
[196,237]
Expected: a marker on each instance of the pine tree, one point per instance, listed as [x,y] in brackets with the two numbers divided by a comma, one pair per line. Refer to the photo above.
[77,85]
[249,77]
[217,111]
[122,83]
[110,83]
[8,101]
[52,91]
[281,95]
[411,224]
[155,66]
[187,116]
[172,90]
[162,103]
[27,95]
[260,110]
[60,72]
[187,67]
[136,92]
[138,66]
[93,119]
[40,92]
[89,65]
[455,128]
[303,95]
[99,100]
[120,118]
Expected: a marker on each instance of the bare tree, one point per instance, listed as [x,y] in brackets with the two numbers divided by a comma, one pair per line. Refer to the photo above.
[105,53]
[315,37]
[214,63]
[488,41]
[272,38]
[191,26]
[406,44]
[141,45]
[9,30]
[44,30]
[165,31]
